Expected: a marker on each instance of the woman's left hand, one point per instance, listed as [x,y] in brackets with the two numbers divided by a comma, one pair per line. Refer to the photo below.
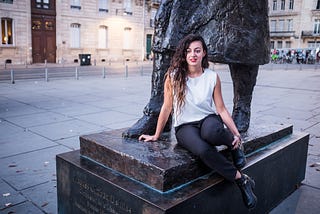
[236,142]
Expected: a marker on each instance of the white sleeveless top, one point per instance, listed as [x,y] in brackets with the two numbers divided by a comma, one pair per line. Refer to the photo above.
[199,99]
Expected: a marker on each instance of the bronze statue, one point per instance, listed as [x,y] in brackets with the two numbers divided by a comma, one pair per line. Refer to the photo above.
[237,34]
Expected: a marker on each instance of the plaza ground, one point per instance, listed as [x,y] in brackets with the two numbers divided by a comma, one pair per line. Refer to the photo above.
[40,119]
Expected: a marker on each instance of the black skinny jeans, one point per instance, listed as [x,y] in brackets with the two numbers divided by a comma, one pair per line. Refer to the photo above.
[201,137]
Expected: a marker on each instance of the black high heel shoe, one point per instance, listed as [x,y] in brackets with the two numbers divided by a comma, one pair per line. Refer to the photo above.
[246,185]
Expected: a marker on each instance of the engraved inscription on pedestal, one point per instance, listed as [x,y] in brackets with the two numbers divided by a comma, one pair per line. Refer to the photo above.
[93,199]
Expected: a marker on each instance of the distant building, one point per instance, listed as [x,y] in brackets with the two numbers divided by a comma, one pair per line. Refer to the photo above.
[38,31]
[294,24]
[35,31]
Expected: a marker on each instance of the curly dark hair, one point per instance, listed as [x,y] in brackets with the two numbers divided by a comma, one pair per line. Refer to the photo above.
[178,70]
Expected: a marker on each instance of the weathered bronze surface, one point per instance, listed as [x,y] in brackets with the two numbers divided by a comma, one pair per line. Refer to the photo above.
[236,32]
[84,186]
[163,165]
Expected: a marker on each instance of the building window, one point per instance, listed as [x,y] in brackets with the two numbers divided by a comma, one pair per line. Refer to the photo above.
[316,26]
[6,31]
[281,25]
[127,38]
[103,37]
[272,45]
[290,24]
[42,4]
[6,1]
[288,44]
[49,25]
[291,3]
[153,15]
[273,26]
[313,44]
[274,6]
[36,25]
[75,35]
[75,4]
[318,5]
[127,5]
[279,45]
[283,5]
[103,6]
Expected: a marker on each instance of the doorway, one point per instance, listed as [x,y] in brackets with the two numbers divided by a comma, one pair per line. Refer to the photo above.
[43,28]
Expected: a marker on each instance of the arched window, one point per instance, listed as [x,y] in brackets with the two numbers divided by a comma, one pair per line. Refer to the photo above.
[6,31]
[75,35]
[103,37]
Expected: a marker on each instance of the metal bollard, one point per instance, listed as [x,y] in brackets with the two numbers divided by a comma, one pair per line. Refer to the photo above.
[104,72]
[46,74]
[77,73]
[12,76]
[141,70]
[126,71]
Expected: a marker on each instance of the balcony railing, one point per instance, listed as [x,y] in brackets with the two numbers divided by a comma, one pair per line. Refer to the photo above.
[309,34]
[282,34]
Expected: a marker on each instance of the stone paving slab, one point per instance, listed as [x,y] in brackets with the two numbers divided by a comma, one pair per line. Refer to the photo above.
[37,119]
[303,200]
[313,171]
[65,129]
[9,196]
[44,196]
[107,117]
[314,146]
[279,87]
[72,143]
[22,142]
[8,129]
[30,169]
[26,208]
[80,109]
[20,110]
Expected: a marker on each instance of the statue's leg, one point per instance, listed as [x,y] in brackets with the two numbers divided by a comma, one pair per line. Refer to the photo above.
[244,78]
[147,124]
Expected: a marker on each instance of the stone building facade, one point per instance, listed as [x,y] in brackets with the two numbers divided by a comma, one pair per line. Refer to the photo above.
[118,30]
[294,24]
[57,31]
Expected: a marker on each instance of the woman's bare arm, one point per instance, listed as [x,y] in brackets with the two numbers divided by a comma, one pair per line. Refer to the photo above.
[223,112]
[165,112]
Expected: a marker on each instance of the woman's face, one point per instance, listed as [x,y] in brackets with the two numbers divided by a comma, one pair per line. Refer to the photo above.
[195,53]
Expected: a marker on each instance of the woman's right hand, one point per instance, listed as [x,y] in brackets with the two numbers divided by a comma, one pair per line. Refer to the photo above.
[147,138]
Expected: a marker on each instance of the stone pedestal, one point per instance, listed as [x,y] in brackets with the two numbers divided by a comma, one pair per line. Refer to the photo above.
[114,175]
